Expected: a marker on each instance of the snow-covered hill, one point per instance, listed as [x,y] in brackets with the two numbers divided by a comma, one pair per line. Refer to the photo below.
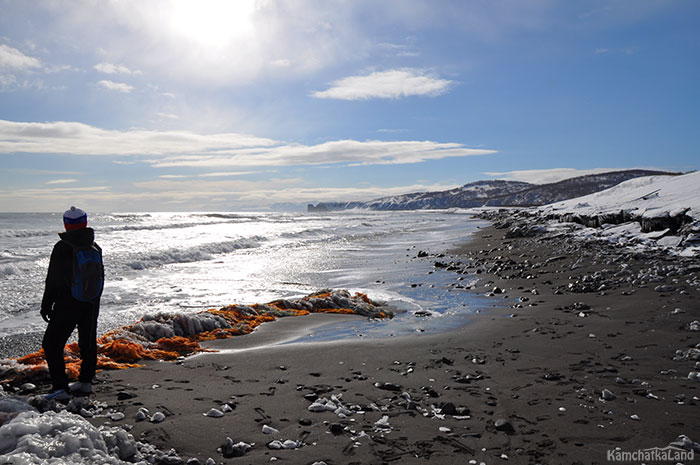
[651,196]
[493,193]
[655,210]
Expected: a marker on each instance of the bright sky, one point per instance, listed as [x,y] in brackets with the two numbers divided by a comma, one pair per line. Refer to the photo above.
[211,105]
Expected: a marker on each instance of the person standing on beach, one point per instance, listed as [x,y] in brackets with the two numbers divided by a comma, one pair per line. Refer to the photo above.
[74,283]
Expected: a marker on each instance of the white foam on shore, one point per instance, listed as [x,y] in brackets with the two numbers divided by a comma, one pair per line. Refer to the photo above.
[64,438]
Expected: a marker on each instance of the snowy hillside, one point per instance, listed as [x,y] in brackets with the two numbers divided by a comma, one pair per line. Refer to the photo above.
[652,196]
[494,193]
[650,211]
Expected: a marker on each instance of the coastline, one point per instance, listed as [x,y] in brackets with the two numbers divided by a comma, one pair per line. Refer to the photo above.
[526,388]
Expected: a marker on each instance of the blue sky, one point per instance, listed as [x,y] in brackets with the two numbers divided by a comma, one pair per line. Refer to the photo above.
[229,105]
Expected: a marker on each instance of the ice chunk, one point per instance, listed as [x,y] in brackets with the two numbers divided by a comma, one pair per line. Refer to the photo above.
[63,437]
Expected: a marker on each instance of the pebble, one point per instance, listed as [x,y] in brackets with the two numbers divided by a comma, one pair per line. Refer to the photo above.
[664,288]
[229,449]
[606,394]
[157,417]
[445,429]
[141,415]
[27,387]
[635,417]
[226,408]
[388,386]
[504,425]
[266,429]
[288,444]
[214,413]
[117,416]
[383,423]
[123,395]
[336,429]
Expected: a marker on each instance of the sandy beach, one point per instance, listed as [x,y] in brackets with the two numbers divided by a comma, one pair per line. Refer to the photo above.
[587,348]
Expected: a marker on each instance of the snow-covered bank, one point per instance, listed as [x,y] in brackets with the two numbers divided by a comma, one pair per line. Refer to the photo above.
[654,211]
[62,435]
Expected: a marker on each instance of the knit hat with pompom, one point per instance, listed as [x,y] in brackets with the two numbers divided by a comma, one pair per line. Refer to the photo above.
[74,219]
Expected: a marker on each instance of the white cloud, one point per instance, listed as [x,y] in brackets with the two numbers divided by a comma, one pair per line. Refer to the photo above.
[82,139]
[261,193]
[118,86]
[342,151]
[11,58]
[281,63]
[548,175]
[110,68]
[183,148]
[226,174]
[391,84]
[62,181]
[167,115]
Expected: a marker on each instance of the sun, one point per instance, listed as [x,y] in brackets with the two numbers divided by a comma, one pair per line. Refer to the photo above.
[212,23]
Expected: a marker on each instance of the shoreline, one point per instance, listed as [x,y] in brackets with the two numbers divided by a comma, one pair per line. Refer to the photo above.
[527,388]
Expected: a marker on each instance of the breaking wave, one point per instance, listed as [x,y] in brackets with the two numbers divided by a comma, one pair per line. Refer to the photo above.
[199,253]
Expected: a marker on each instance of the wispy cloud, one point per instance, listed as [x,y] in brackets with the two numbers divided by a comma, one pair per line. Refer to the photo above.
[110,68]
[546,176]
[343,151]
[188,149]
[117,86]
[14,63]
[82,139]
[620,50]
[253,193]
[13,59]
[62,181]
[391,84]
[226,174]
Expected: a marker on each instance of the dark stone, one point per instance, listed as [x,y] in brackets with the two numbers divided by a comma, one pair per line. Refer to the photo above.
[448,408]
[504,425]
[123,395]
[305,422]
[388,386]
[336,429]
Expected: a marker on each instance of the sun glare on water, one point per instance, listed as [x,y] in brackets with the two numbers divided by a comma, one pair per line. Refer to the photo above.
[212,23]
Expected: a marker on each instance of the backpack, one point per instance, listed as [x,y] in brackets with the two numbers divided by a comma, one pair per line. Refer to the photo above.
[88,273]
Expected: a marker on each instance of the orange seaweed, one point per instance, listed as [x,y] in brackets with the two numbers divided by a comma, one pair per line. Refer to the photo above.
[335,310]
[178,344]
[33,359]
[116,352]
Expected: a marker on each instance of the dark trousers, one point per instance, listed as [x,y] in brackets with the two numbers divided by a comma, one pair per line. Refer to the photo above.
[63,322]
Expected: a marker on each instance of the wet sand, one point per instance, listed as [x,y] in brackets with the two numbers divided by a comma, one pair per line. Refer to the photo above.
[517,385]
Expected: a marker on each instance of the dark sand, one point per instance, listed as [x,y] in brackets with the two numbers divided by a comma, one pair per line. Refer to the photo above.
[542,371]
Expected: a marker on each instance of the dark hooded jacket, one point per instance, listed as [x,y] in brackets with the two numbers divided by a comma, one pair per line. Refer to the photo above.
[57,293]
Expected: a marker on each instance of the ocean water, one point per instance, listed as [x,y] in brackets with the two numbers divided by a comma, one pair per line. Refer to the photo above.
[194,261]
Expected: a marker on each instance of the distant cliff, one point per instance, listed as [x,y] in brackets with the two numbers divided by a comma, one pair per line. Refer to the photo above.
[494,193]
